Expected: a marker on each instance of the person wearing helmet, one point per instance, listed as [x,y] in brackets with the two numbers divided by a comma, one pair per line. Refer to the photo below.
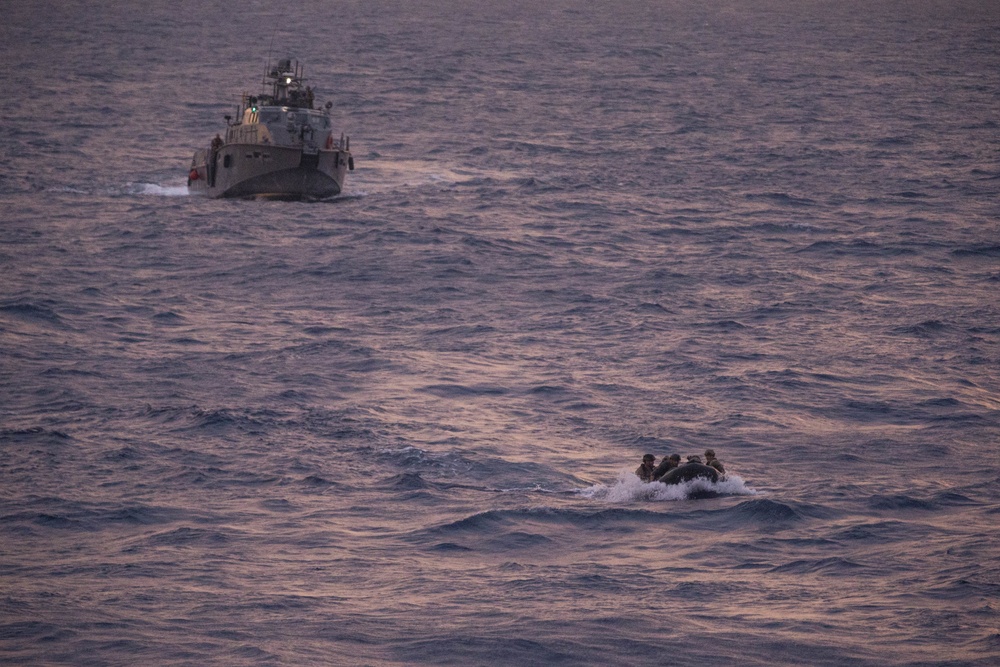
[666,465]
[714,462]
[645,471]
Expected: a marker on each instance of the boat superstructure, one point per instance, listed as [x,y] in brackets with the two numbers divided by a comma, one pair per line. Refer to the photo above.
[279,145]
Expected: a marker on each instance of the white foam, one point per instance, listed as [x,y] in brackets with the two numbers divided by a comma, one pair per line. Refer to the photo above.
[629,488]
[159,190]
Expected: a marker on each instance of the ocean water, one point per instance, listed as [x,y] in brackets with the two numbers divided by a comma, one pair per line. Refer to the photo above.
[398,427]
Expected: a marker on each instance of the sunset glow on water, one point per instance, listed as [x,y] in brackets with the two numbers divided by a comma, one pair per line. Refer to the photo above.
[400,427]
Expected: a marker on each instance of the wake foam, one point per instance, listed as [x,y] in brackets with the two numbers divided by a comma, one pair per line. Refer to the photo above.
[629,489]
[155,190]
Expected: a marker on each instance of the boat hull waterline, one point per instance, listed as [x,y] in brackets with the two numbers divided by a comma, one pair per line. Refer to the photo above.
[268,172]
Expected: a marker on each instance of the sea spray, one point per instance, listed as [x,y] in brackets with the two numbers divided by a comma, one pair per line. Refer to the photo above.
[628,488]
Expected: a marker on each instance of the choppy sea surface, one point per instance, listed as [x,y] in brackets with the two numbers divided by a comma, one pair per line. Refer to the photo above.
[399,427]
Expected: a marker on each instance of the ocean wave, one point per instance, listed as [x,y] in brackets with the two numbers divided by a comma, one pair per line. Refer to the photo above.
[55,513]
[834,565]
[489,521]
[982,250]
[408,481]
[195,418]
[924,329]
[723,326]
[36,313]
[460,391]
[763,510]
[185,535]
[218,478]
[34,435]
[502,530]
[470,468]
[782,198]
[877,532]
[904,502]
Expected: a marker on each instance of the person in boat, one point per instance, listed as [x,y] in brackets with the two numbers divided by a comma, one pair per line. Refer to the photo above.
[710,460]
[666,465]
[310,97]
[645,471]
[216,143]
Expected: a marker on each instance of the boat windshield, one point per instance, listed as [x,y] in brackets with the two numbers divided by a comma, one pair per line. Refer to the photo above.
[295,116]
[269,115]
[314,119]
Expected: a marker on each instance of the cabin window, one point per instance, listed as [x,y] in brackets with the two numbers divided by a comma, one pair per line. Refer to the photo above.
[226,161]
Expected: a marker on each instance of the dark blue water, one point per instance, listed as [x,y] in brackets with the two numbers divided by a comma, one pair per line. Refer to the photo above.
[398,427]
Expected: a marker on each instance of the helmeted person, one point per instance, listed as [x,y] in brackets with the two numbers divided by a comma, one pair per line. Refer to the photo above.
[666,465]
[714,462]
[694,458]
[216,143]
[645,471]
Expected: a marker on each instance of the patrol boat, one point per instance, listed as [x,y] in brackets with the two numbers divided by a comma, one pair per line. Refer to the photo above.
[279,147]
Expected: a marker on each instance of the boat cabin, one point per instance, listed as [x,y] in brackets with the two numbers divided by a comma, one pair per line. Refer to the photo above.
[284,117]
